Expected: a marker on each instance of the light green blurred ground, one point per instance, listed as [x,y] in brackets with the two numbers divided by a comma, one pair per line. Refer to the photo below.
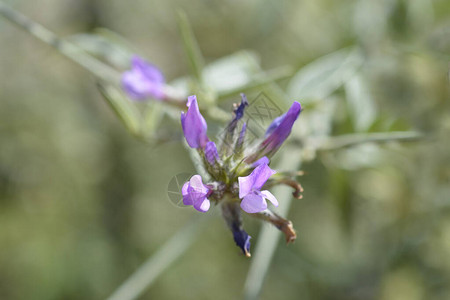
[82,204]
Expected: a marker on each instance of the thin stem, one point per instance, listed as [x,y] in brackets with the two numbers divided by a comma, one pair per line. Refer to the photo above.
[167,254]
[348,140]
[68,49]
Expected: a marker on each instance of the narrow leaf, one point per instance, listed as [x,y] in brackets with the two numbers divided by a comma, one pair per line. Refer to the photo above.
[323,76]
[152,117]
[166,255]
[101,47]
[360,104]
[122,107]
[191,47]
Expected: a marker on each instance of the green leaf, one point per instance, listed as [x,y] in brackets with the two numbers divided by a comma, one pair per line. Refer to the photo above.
[191,47]
[153,117]
[323,76]
[225,74]
[231,72]
[120,104]
[101,47]
[361,106]
[258,81]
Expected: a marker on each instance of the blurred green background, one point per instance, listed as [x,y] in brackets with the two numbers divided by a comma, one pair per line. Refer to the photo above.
[83,204]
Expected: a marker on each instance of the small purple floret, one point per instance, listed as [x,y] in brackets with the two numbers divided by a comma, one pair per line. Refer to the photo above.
[239,112]
[211,154]
[279,129]
[194,125]
[253,199]
[242,240]
[143,81]
[195,193]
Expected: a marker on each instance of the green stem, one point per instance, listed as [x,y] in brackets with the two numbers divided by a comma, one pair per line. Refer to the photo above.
[141,280]
[69,50]
[191,47]
[348,140]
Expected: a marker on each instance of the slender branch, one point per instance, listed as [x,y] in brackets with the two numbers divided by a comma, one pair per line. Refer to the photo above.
[167,254]
[348,140]
[69,50]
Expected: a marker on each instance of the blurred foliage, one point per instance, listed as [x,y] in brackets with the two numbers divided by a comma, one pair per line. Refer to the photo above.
[83,204]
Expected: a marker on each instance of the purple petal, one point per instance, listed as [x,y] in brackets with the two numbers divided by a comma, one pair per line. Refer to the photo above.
[194,193]
[261,161]
[255,180]
[202,205]
[242,240]
[211,154]
[196,186]
[275,123]
[280,129]
[239,112]
[241,138]
[262,173]
[245,185]
[194,125]
[253,203]
[269,196]
[186,197]
[144,80]
[149,70]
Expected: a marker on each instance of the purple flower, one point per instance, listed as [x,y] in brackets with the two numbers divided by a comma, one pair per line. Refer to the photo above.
[144,80]
[254,200]
[194,125]
[211,154]
[195,193]
[279,130]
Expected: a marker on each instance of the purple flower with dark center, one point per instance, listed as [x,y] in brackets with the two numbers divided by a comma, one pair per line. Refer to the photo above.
[253,199]
[211,154]
[195,193]
[143,81]
[194,125]
[279,130]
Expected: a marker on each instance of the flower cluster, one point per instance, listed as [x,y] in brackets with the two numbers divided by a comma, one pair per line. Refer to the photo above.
[238,174]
